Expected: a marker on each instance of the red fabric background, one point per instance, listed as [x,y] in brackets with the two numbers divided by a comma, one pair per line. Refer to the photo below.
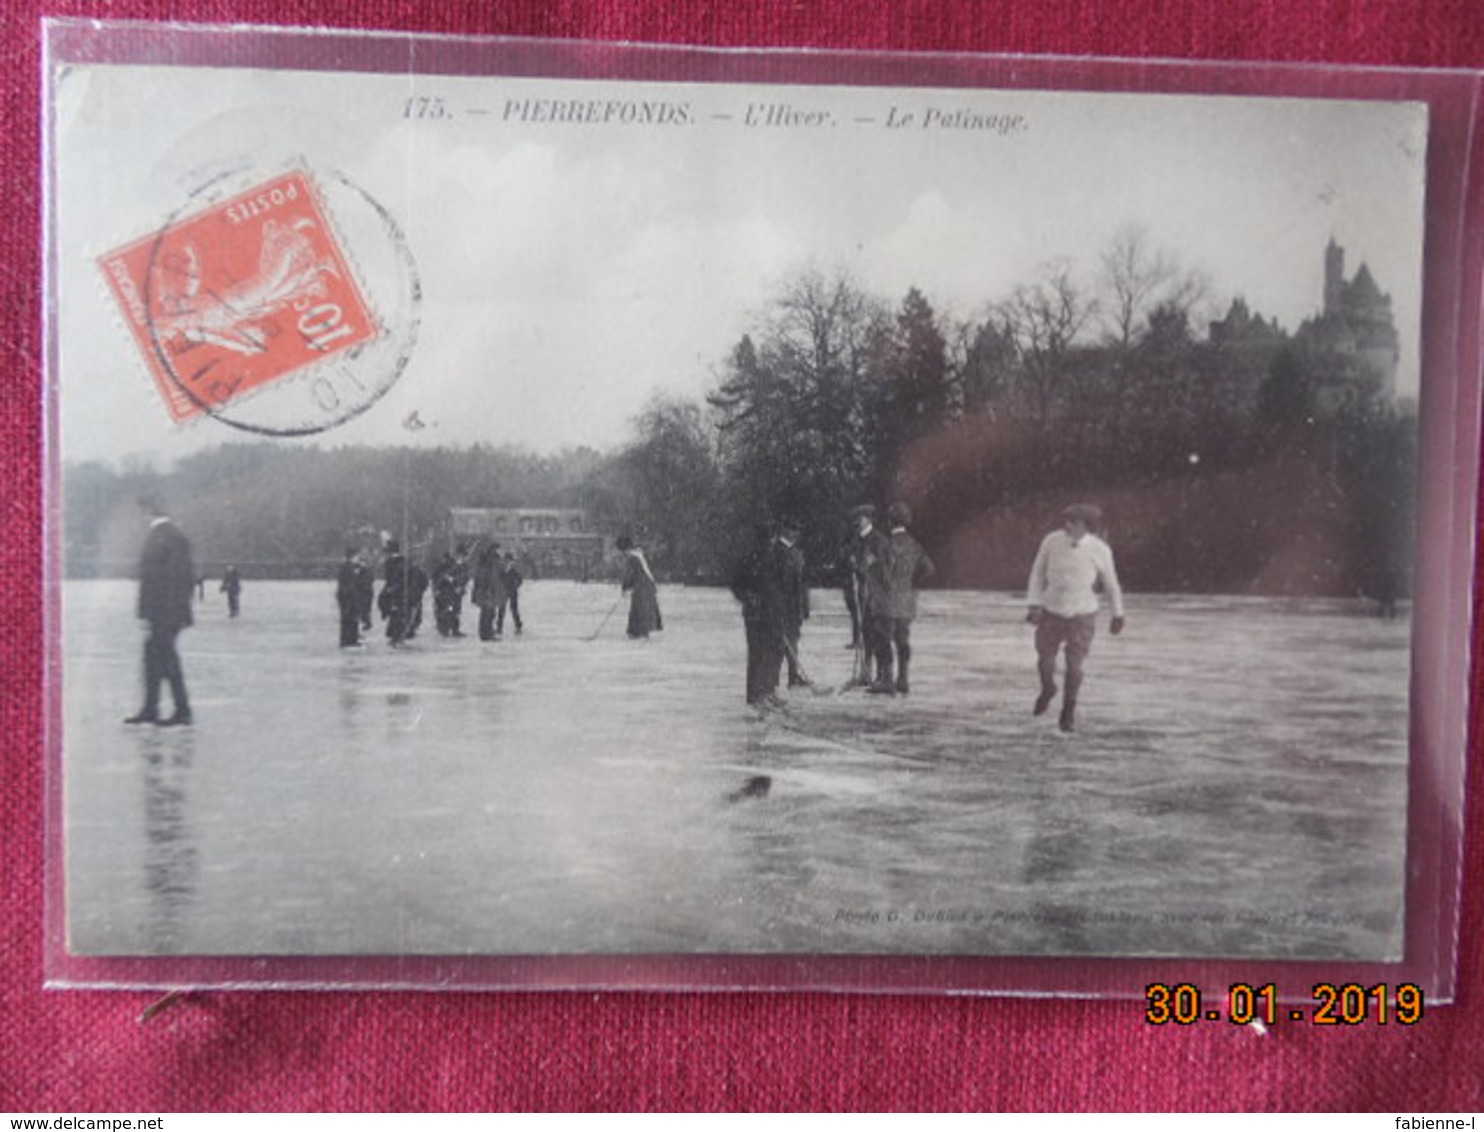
[87,1051]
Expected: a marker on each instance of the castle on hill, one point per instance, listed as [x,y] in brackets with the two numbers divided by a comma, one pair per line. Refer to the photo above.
[1350,345]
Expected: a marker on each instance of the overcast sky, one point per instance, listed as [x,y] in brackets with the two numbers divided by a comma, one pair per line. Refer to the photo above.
[571,270]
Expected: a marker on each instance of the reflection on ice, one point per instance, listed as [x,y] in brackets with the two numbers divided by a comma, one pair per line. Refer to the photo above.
[1237,788]
[170,859]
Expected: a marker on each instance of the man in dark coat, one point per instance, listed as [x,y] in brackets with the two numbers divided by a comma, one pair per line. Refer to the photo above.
[232,587]
[450,577]
[862,519]
[489,589]
[167,578]
[756,584]
[512,577]
[788,565]
[896,569]
[365,592]
[417,586]
[867,545]
[395,593]
[350,582]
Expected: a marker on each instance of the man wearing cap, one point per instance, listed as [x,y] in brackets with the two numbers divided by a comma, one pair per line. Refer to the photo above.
[898,565]
[1063,600]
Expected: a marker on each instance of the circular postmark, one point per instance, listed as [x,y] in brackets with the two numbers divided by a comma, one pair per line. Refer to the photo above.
[282,305]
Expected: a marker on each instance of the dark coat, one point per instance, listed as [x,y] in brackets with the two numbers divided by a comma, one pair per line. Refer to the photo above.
[167,578]
[754,583]
[769,582]
[450,577]
[865,553]
[365,591]
[394,591]
[350,582]
[788,566]
[644,605]
[489,581]
[899,565]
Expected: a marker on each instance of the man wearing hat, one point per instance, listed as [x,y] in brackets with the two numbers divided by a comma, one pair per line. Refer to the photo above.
[167,578]
[395,601]
[350,582]
[866,544]
[788,562]
[450,576]
[898,566]
[1063,600]
[757,583]
[489,589]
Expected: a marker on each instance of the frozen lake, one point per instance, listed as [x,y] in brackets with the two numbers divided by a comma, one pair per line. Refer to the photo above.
[1236,788]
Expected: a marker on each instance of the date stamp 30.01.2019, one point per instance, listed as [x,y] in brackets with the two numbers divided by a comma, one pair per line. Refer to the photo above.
[247,292]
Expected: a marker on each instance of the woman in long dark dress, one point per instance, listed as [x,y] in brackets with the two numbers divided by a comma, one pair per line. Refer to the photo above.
[638,582]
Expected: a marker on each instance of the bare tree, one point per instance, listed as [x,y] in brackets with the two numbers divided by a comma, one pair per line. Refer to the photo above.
[1044,319]
[1138,279]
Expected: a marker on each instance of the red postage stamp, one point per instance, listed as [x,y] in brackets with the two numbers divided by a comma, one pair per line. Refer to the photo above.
[245,293]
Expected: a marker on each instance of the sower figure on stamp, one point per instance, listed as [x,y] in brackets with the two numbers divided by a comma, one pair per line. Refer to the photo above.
[788,565]
[895,571]
[167,579]
[348,587]
[755,584]
[1063,600]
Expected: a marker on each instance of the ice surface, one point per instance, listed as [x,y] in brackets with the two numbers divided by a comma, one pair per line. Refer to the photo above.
[1237,786]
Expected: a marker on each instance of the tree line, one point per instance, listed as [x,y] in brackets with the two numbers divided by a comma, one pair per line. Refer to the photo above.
[1268,463]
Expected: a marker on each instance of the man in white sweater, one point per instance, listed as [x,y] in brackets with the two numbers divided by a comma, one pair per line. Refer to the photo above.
[1063,600]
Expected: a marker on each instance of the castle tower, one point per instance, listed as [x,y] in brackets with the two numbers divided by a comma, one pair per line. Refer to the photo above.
[1334,276]
[1356,331]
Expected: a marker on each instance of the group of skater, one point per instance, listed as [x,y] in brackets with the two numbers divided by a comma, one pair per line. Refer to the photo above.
[884,569]
[492,579]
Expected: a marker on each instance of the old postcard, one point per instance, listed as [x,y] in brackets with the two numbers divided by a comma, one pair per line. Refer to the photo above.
[515,515]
